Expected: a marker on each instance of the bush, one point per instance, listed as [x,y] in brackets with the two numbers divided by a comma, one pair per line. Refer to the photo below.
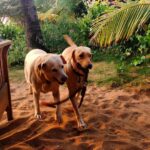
[135,50]
[77,28]
[53,32]
[144,41]
[17,50]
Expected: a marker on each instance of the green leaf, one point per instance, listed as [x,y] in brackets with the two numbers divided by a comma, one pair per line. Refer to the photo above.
[119,24]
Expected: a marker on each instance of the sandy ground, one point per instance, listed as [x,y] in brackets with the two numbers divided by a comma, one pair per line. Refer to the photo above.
[117,119]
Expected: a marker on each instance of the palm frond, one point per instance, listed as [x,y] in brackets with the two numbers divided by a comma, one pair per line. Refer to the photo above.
[120,24]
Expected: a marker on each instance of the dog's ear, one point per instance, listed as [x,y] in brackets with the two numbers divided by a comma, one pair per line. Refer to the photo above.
[42,66]
[73,56]
[63,59]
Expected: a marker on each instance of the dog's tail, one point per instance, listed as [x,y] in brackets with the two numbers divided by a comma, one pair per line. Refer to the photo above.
[69,40]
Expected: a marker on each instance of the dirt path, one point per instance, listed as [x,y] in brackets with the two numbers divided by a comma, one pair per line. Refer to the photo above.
[117,119]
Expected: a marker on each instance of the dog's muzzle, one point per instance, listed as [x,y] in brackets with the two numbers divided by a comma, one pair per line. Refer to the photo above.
[64,79]
[90,66]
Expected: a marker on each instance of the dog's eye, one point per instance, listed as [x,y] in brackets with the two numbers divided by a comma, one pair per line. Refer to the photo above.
[62,66]
[54,70]
[90,55]
[81,56]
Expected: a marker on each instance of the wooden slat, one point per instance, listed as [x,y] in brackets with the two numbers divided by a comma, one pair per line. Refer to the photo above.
[1,76]
[5,43]
[3,99]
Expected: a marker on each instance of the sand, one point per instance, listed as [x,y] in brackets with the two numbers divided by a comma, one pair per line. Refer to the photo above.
[117,119]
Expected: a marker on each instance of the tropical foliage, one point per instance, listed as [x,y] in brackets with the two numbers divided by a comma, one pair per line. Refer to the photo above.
[119,24]
[77,20]
[78,28]
[18,49]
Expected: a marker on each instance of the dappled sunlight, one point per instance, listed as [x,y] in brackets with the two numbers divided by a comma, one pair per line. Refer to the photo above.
[111,116]
[101,48]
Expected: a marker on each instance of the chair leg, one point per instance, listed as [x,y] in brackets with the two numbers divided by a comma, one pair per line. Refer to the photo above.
[5,78]
[9,113]
[9,107]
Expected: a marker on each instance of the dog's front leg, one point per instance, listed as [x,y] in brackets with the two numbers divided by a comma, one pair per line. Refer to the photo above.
[36,96]
[56,96]
[81,123]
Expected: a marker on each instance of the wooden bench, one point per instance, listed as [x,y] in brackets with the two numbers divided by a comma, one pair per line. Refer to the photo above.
[5,97]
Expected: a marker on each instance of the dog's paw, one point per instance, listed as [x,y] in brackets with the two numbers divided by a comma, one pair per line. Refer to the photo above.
[82,125]
[59,119]
[38,116]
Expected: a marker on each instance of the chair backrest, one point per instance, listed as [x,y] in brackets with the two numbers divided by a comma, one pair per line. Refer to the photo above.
[5,97]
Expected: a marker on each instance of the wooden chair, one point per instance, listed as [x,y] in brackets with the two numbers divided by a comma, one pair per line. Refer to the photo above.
[5,97]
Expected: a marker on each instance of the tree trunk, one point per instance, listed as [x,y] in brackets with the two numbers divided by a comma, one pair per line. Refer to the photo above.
[33,31]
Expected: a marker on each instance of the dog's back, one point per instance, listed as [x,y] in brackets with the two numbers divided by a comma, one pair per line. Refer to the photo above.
[33,54]
[29,60]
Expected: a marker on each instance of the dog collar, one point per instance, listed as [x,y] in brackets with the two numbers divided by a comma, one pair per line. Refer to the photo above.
[85,71]
[76,72]
[82,71]
[48,82]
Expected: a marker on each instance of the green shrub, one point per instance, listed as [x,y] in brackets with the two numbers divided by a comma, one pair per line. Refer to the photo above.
[84,23]
[53,32]
[17,50]
[144,42]
[8,31]
[132,52]
[77,28]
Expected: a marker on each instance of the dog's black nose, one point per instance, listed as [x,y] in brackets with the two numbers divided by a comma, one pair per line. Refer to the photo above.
[64,78]
[90,66]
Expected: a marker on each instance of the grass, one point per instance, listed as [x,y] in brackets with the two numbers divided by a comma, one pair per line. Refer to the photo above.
[106,72]
[145,70]
[102,72]
[16,73]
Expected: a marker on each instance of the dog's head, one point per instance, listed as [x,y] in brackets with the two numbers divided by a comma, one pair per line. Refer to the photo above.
[53,68]
[82,56]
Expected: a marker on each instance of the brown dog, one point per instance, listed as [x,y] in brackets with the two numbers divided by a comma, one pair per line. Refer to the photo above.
[44,72]
[78,61]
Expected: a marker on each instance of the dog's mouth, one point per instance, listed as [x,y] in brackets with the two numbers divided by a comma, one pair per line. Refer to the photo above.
[84,69]
[59,82]
[90,66]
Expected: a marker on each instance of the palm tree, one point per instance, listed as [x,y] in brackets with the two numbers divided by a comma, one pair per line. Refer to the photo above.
[119,24]
[33,32]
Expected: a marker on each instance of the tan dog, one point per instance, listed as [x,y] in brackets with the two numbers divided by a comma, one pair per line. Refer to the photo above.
[78,61]
[44,72]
